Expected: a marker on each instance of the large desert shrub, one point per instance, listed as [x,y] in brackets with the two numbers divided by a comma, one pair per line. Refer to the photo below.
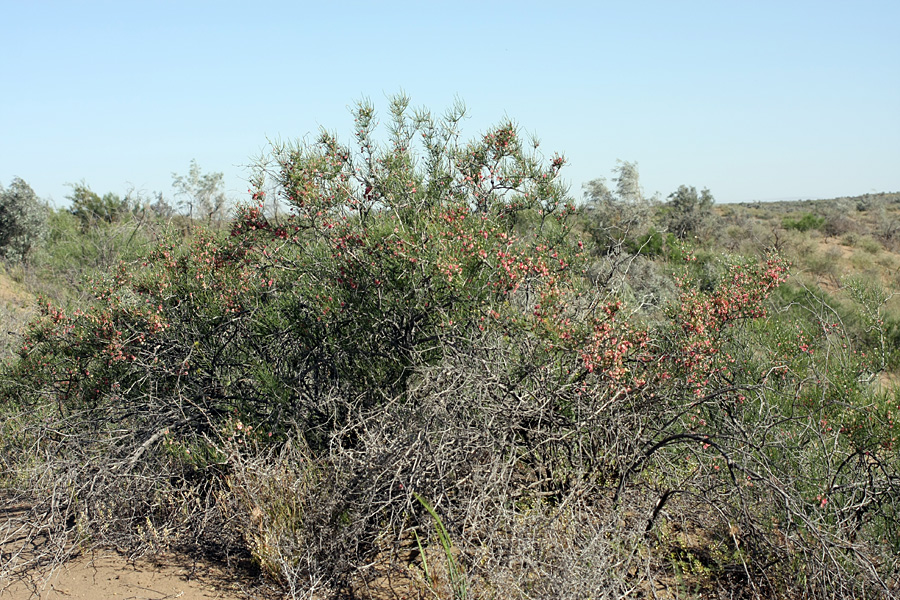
[418,352]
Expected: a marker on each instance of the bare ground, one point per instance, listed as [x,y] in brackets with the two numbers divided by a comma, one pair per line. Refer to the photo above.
[108,574]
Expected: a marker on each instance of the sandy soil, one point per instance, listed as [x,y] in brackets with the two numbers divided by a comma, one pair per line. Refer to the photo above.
[106,574]
[103,574]
[109,575]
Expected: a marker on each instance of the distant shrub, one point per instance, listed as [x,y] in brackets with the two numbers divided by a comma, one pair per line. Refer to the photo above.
[824,264]
[688,211]
[887,227]
[850,239]
[869,244]
[837,224]
[805,223]
[91,208]
[864,203]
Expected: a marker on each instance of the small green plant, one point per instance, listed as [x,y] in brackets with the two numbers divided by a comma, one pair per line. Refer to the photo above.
[457,580]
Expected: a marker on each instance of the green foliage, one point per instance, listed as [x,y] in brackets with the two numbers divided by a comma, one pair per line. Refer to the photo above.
[22,220]
[805,223]
[650,244]
[656,244]
[398,250]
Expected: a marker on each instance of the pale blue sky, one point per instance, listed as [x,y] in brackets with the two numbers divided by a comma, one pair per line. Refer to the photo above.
[755,100]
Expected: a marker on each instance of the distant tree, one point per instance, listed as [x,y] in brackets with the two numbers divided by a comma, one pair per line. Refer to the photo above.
[628,182]
[618,214]
[688,211]
[161,207]
[23,220]
[201,195]
[596,192]
[90,208]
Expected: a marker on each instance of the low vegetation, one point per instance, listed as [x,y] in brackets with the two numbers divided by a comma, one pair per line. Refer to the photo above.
[437,369]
